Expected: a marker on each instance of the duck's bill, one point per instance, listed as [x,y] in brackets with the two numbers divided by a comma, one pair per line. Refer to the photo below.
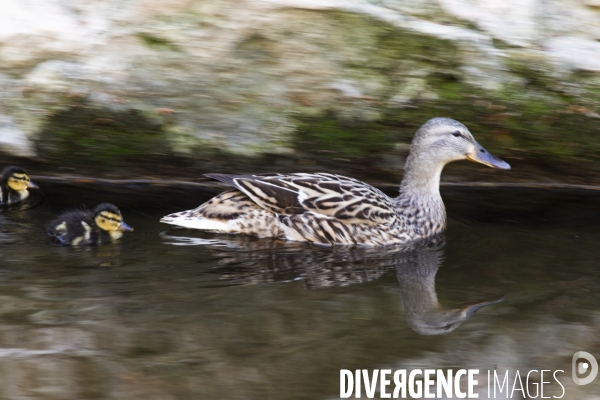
[483,156]
[125,227]
[32,185]
[472,309]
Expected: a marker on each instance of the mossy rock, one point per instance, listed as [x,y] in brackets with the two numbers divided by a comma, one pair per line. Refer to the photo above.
[104,139]
[342,138]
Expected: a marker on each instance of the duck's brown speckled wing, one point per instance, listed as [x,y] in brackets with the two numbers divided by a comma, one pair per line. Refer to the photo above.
[324,208]
[270,192]
[345,199]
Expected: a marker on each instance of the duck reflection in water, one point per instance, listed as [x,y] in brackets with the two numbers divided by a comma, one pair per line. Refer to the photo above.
[416,273]
[246,260]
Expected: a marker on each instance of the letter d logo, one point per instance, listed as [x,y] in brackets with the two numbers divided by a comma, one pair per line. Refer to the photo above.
[583,367]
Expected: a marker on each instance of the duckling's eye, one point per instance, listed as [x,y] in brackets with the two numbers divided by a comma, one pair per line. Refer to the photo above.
[456,134]
[103,220]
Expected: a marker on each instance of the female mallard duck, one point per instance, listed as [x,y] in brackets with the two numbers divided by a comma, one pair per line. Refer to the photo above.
[82,228]
[14,184]
[332,209]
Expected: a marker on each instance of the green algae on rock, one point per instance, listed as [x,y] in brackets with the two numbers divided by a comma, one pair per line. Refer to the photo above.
[84,135]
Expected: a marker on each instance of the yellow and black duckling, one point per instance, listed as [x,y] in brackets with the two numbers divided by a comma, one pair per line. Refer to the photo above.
[14,184]
[83,228]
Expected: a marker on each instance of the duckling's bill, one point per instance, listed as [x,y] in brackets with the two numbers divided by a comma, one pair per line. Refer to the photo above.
[32,185]
[125,227]
[481,155]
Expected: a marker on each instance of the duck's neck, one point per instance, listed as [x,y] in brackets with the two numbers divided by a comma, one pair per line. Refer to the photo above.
[420,193]
[114,235]
[9,195]
[422,176]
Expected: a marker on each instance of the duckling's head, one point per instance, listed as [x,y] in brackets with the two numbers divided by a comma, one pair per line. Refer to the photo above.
[108,218]
[443,140]
[16,179]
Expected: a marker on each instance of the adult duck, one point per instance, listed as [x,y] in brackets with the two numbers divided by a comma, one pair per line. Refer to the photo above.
[330,209]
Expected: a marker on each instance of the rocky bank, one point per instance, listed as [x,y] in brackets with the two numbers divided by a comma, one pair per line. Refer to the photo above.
[102,86]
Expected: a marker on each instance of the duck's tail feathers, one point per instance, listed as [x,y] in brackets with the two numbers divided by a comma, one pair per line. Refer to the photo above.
[229,212]
[186,219]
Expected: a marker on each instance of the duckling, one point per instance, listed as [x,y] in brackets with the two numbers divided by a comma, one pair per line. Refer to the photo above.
[328,209]
[14,184]
[82,228]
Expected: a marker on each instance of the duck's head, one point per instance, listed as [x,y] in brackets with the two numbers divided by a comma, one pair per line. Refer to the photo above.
[108,218]
[441,320]
[16,179]
[443,140]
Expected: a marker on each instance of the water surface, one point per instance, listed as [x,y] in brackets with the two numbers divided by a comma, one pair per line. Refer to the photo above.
[179,314]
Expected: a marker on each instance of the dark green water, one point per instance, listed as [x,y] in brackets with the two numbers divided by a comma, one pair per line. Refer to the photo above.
[177,314]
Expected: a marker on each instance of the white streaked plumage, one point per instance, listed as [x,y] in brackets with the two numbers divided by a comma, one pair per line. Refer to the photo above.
[326,208]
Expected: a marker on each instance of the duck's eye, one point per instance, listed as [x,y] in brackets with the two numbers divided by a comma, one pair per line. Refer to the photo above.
[103,220]
[456,134]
